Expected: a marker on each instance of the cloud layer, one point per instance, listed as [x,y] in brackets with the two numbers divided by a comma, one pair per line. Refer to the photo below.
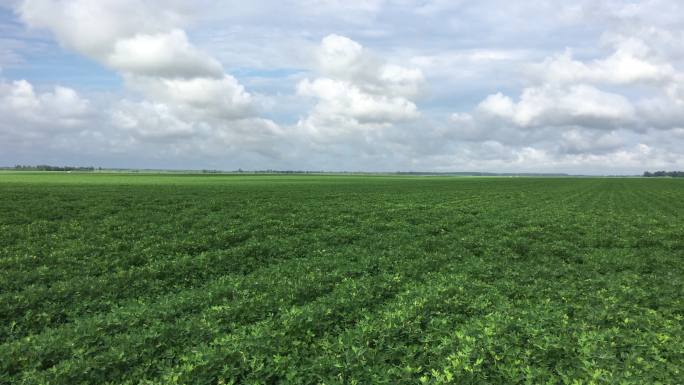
[380,85]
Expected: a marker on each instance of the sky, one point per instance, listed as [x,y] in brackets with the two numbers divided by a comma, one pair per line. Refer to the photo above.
[582,87]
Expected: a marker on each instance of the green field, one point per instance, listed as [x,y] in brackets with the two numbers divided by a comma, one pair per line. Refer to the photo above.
[220,279]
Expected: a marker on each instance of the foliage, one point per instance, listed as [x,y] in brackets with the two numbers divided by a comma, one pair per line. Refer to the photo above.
[239,279]
[45,167]
[673,174]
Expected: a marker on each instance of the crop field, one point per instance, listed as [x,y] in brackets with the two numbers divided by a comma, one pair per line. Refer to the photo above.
[227,279]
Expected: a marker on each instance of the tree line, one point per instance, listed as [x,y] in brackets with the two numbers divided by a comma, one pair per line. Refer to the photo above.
[672,174]
[45,167]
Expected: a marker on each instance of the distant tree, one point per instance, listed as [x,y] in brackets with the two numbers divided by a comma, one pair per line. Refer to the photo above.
[46,167]
[672,174]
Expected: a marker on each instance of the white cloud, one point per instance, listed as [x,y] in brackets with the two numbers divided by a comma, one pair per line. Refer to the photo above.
[94,27]
[189,107]
[597,113]
[630,63]
[149,49]
[577,105]
[357,91]
[351,101]
[675,90]
[341,58]
[166,55]
[159,123]
[343,98]
[154,121]
[199,98]
[582,141]
[23,108]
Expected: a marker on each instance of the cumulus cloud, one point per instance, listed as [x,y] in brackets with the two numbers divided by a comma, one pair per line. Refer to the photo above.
[589,86]
[147,122]
[197,98]
[188,103]
[341,98]
[23,108]
[597,112]
[580,141]
[37,123]
[577,105]
[632,62]
[344,59]
[94,27]
[166,55]
[357,92]
[149,50]
[63,124]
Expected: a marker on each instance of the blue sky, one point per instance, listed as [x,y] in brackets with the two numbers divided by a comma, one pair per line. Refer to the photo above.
[40,60]
[380,85]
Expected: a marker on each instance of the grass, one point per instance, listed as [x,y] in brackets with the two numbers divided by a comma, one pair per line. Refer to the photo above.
[216,279]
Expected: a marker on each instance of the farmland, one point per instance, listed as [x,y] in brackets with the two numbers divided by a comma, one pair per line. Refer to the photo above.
[226,279]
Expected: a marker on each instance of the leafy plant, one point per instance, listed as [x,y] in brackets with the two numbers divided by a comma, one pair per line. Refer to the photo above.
[218,279]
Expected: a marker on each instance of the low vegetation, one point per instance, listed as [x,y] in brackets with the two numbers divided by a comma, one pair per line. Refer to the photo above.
[215,279]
